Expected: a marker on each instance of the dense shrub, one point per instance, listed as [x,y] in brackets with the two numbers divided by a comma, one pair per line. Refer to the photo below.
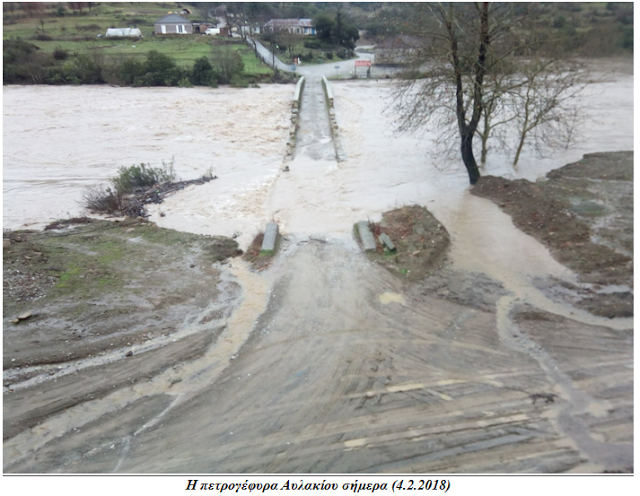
[15,50]
[313,44]
[237,81]
[43,37]
[202,72]
[160,70]
[129,70]
[112,198]
[60,53]
[141,176]
[89,67]
[226,64]
[24,63]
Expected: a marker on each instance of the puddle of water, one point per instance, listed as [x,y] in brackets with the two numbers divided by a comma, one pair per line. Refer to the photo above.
[355,443]
[386,298]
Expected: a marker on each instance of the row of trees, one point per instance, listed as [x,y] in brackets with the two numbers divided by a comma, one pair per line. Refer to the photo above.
[24,63]
[336,30]
[482,71]
[38,9]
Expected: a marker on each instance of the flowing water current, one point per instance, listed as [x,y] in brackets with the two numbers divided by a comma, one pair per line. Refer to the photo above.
[325,362]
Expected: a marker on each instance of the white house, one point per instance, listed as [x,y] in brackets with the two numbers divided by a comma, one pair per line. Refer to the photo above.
[173,24]
[293,26]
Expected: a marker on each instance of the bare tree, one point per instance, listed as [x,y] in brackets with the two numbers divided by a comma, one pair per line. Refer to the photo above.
[451,58]
[545,107]
[533,101]
[480,67]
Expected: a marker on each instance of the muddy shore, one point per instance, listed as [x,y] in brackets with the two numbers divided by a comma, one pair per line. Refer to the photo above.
[583,212]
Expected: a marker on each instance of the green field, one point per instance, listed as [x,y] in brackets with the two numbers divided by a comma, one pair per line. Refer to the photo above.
[78,33]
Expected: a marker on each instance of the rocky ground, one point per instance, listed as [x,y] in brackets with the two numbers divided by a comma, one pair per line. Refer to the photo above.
[582,212]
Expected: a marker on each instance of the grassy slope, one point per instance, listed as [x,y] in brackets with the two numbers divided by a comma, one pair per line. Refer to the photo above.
[68,33]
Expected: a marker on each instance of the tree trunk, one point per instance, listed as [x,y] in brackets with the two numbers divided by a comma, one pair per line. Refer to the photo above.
[519,149]
[466,147]
[485,150]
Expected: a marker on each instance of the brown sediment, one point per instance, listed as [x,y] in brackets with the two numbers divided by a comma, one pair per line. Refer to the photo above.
[584,214]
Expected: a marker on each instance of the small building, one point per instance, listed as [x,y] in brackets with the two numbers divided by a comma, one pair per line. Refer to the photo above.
[173,24]
[250,30]
[123,33]
[201,27]
[293,26]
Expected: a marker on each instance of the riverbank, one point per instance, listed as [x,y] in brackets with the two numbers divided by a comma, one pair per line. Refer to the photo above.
[582,212]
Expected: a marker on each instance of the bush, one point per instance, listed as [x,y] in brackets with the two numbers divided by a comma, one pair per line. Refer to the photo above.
[226,64]
[55,77]
[101,199]
[141,176]
[202,72]
[314,44]
[160,70]
[89,67]
[185,82]
[16,50]
[43,37]
[237,81]
[330,55]
[129,70]
[60,10]
[60,53]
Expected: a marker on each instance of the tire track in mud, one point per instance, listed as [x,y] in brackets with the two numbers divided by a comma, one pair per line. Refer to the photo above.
[181,381]
[334,380]
[564,418]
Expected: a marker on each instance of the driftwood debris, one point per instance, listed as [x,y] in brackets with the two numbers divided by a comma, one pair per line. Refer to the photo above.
[134,205]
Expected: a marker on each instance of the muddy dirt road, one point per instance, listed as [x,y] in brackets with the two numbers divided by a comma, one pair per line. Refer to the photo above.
[348,370]
[327,362]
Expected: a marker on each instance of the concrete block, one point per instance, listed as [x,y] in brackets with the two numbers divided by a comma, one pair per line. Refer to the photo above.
[297,96]
[368,243]
[270,238]
[385,240]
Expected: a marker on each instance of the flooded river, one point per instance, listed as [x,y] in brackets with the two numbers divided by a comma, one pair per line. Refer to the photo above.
[329,363]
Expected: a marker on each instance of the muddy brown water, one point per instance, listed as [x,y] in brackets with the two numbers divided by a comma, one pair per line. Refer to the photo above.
[329,363]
